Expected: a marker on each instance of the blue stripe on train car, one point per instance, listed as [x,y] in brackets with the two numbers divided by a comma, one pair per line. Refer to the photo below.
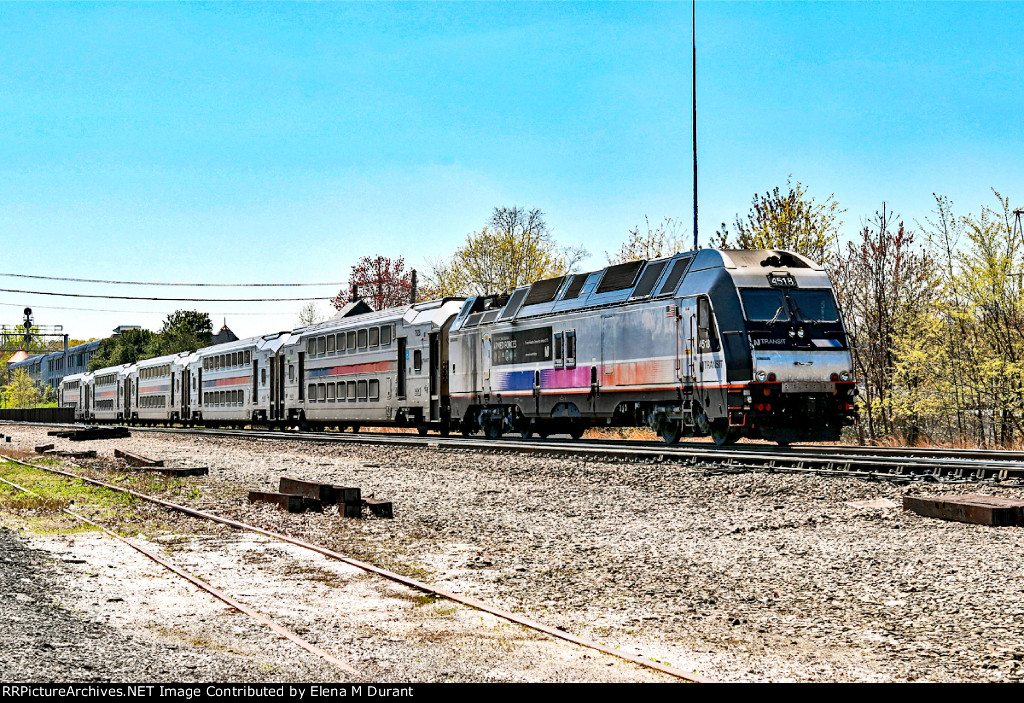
[512,381]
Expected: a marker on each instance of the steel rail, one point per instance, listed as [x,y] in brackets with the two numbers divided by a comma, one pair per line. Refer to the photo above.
[879,464]
[196,581]
[405,580]
[628,448]
[854,465]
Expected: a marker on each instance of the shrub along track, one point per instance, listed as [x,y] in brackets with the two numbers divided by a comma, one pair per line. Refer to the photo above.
[365,566]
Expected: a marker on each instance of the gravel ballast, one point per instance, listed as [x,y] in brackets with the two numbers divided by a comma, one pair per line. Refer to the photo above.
[740,577]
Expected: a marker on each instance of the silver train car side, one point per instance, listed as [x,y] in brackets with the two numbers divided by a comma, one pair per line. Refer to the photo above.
[71,390]
[103,394]
[376,368]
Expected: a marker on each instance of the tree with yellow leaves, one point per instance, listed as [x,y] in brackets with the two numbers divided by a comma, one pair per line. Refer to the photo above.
[792,220]
[515,248]
[21,392]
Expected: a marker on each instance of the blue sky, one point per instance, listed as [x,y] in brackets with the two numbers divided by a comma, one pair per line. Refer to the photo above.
[278,143]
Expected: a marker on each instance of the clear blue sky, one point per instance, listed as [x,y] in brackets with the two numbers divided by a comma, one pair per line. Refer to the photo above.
[265,142]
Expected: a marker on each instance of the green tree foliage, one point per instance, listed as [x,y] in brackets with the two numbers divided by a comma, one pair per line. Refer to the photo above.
[48,396]
[666,239]
[790,220]
[21,392]
[183,330]
[514,248]
[126,348]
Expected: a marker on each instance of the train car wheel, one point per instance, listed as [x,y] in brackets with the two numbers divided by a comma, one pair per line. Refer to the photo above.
[722,434]
[422,429]
[525,428]
[493,430]
[577,432]
[671,431]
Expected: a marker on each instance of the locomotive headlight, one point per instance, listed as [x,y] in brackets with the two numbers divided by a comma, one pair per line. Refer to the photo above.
[800,333]
[761,375]
[792,333]
[844,376]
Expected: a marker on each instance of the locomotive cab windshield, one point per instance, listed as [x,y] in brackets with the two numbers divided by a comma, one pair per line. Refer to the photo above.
[780,305]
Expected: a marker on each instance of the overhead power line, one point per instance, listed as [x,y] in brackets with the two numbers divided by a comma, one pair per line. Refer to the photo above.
[164,283]
[136,312]
[179,300]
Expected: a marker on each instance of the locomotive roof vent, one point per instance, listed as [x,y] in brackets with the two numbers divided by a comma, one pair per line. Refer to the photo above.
[544,291]
[575,286]
[650,276]
[620,276]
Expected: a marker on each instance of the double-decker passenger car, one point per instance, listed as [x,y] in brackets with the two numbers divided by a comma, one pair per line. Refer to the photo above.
[103,394]
[379,368]
[155,389]
[235,382]
[70,391]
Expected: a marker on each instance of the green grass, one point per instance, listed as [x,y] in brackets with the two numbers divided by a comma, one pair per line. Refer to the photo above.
[57,493]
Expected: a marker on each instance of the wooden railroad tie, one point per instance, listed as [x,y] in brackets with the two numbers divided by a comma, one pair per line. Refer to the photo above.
[380,508]
[348,499]
[90,433]
[137,459]
[43,448]
[296,495]
[972,508]
[292,503]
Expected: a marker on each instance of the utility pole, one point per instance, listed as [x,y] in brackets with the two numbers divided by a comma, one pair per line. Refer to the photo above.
[693,30]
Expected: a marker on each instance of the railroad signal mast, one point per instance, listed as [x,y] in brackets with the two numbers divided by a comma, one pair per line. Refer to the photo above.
[21,338]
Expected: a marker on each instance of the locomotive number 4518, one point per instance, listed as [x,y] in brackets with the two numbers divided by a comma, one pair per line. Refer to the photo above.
[781,280]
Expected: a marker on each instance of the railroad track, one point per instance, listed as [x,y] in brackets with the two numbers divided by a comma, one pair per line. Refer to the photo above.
[365,566]
[874,463]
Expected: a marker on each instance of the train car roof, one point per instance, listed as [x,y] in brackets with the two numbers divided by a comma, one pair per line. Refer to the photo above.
[260,342]
[178,357]
[434,312]
[634,281]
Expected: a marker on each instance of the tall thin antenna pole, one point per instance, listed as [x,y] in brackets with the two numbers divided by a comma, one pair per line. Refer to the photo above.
[694,35]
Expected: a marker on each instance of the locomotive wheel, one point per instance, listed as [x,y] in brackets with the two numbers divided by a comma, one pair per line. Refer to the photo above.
[446,429]
[671,431]
[525,428]
[577,432]
[355,429]
[422,429]
[722,434]
[493,430]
